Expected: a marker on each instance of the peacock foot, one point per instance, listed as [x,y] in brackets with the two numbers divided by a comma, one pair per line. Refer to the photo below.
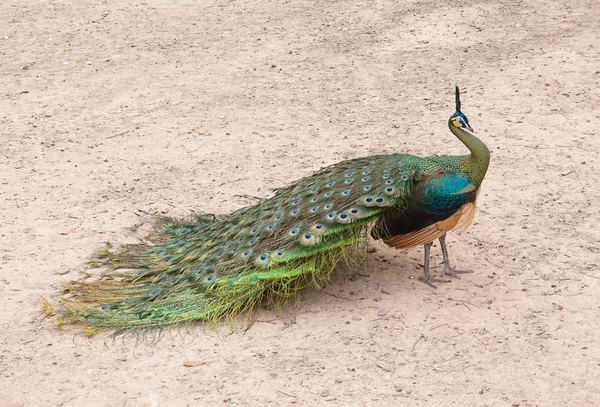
[452,271]
[427,279]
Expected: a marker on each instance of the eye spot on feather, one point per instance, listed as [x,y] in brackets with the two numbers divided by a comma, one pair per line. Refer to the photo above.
[308,239]
[382,201]
[329,184]
[404,177]
[211,278]
[294,232]
[271,227]
[279,255]
[253,241]
[261,260]
[385,176]
[366,172]
[311,191]
[367,200]
[349,181]
[254,231]
[294,212]
[349,174]
[330,217]
[105,307]
[314,199]
[328,194]
[367,188]
[318,229]
[278,217]
[346,192]
[328,206]
[245,254]
[314,209]
[356,213]
[275,209]
[389,182]
[344,218]
[365,179]
[161,251]
[392,191]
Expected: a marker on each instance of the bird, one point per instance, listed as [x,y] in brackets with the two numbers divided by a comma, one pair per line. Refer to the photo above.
[213,268]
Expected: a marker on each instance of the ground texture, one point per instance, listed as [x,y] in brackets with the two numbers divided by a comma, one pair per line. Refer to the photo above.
[113,111]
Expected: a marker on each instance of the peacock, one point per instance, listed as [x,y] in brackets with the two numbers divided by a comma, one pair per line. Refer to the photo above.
[211,268]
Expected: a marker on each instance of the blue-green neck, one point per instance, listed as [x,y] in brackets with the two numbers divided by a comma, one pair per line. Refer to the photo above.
[476,164]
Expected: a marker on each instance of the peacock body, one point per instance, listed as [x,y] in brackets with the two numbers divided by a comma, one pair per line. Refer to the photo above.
[212,268]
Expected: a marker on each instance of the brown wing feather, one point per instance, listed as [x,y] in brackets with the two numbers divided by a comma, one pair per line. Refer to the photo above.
[459,221]
[466,217]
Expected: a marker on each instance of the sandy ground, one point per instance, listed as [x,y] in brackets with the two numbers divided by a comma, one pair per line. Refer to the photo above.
[110,110]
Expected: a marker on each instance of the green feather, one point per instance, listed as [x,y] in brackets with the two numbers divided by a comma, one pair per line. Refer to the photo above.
[214,268]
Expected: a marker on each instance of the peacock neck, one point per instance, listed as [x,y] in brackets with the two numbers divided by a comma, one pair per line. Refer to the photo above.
[476,164]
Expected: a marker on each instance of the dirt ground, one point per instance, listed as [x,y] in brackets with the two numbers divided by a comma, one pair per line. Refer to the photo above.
[111,111]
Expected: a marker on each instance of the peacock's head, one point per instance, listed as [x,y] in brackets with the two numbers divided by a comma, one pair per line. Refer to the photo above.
[458,119]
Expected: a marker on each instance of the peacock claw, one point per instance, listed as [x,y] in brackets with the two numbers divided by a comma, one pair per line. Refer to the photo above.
[452,272]
[429,281]
[447,270]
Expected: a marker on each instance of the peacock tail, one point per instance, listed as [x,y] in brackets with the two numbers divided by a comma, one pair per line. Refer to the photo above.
[213,268]
[217,267]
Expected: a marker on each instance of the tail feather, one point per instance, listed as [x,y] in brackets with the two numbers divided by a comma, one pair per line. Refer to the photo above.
[212,268]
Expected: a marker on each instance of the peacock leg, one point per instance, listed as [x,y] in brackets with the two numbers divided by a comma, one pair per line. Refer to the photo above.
[450,271]
[426,277]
